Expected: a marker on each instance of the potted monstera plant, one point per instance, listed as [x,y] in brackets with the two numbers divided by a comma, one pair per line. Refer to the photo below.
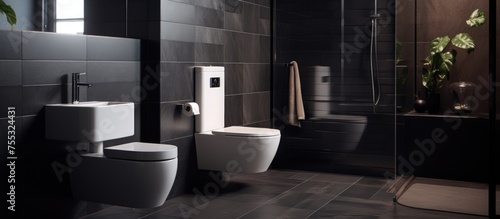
[9,13]
[437,66]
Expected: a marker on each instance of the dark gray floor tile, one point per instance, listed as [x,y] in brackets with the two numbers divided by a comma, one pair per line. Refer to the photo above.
[372,181]
[295,213]
[303,175]
[289,199]
[353,208]
[360,191]
[321,187]
[170,212]
[286,194]
[314,202]
[121,212]
[327,177]
[203,207]
[266,212]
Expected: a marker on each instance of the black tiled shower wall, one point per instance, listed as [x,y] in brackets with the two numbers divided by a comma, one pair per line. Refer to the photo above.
[315,33]
[35,69]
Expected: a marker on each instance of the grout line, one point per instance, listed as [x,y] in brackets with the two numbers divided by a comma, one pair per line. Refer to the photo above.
[334,197]
[154,212]
[100,211]
[276,197]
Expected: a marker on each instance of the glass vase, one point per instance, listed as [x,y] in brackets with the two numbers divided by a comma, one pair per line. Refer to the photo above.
[462,95]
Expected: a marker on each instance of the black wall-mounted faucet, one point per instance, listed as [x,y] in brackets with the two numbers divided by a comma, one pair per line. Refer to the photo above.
[76,87]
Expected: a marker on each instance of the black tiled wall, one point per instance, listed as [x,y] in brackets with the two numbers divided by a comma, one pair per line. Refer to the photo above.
[36,71]
[227,33]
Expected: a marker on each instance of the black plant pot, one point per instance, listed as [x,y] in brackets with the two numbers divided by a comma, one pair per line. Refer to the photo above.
[433,103]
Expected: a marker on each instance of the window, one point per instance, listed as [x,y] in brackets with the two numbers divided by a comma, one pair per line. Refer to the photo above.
[69,16]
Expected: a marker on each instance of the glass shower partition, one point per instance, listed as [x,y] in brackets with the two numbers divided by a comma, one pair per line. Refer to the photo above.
[345,50]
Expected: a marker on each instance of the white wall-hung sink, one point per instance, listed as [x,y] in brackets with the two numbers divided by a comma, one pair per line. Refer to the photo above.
[92,121]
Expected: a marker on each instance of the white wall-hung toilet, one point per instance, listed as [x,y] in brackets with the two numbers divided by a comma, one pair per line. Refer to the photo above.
[137,175]
[230,149]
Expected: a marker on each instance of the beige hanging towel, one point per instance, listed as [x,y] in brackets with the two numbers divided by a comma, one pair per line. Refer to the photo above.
[295,104]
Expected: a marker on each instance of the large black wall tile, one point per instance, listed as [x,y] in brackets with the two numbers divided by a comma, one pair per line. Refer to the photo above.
[234,74]
[233,110]
[150,125]
[99,72]
[177,82]
[151,81]
[241,47]
[209,35]
[241,16]
[10,44]
[234,47]
[265,49]
[140,10]
[233,15]
[112,29]
[52,46]
[51,72]
[110,10]
[265,21]
[177,12]
[265,2]
[115,91]
[11,96]
[112,49]
[251,16]
[177,51]
[177,32]
[174,123]
[209,17]
[256,107]
[106,18]
[256,78]
[208,53]
[35,97]
[10,72]
[214,4]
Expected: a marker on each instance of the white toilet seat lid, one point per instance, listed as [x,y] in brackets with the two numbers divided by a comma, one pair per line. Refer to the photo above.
[246,131]
[141,151]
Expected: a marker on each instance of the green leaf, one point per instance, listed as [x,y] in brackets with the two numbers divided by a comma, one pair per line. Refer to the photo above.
[9,13]
[476,19]
[437,45]
[444,63]
[426,75]
[464,41]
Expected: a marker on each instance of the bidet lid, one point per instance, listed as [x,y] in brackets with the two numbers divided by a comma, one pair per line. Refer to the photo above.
[141,151]
[246,131]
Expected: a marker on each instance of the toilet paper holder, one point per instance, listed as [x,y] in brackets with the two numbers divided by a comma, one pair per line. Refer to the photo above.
[190,109]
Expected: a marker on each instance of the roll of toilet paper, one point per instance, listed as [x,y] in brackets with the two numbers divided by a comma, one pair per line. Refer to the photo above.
[191,109]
